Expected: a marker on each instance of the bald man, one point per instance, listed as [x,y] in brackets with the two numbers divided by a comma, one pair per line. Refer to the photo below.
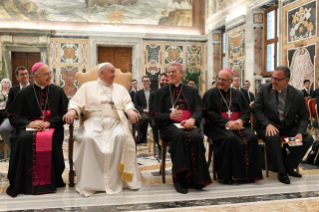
[235,148]
[104,148]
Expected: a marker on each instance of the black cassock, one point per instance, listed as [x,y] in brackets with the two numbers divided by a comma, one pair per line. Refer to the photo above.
[236,153]
[185,146]
[22,111]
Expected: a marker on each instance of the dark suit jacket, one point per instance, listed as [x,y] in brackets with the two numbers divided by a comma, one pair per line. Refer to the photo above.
[12,94]
[132,94]
[305,94]
[265,110]
[251,97]
[140,100]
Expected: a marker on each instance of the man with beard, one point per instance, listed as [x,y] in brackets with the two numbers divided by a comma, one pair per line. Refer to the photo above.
[163,81]
[236,151]
[177,112]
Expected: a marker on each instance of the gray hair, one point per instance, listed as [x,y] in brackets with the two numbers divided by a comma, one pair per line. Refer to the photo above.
[176,64]
[1,83]
[101,67]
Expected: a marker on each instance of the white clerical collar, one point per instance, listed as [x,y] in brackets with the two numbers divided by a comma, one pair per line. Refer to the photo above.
[103,83]
[24,86]
[306,89]
[176,85]
[42,87]
[285,89]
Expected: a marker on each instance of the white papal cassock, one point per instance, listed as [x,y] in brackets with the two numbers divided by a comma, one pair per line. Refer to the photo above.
[104,148]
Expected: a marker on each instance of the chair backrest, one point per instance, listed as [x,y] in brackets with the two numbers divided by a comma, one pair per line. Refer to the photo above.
[307,99]
[312,108]
[92,75]
[252,118]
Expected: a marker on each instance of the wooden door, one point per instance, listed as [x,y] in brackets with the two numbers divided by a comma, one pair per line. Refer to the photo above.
[27,59]
[120,57]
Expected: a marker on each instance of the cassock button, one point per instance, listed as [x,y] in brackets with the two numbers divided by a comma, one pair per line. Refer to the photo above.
[189,139]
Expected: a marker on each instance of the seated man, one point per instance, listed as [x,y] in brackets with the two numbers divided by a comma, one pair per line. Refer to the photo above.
[23,76]
[280,110]
[142,104]
[104,148]
[37,162]
[235,147]
[163,81]
[178,103]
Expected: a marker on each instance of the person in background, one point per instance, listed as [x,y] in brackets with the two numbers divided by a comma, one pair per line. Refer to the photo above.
[250,94]
[5,86]
[307,92]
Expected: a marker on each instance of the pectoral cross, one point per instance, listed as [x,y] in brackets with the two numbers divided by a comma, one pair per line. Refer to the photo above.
[111,103]
[172,109]
[229,113]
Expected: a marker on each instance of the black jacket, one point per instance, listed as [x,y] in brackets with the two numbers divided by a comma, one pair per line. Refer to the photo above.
[305,94]
[140,100]
[12,94]
[265,109]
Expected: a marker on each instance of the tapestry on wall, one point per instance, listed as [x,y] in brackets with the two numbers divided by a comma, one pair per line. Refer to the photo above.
[301,64]
[258,50]
[302,22]
[153,73]
[174,54]
[159,12]
[236,45]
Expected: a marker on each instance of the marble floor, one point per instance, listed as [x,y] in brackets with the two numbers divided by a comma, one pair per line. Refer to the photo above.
[266,195]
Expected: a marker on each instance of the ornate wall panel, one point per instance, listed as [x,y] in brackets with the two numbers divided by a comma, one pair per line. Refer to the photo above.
[153,54]
[258,50]
[67,78]
[302,22]
[174,53]
[193,55]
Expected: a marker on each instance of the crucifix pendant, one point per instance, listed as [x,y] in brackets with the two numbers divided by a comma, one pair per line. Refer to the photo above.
[229,113]
[111,103]
[172,109]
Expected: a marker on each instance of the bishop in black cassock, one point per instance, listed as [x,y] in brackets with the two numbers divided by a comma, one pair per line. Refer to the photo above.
[36,161]
[185,145]
[236,150]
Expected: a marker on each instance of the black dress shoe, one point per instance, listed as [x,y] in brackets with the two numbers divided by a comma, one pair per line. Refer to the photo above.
[283,178]
[228,181]
[292,172]
[181,187]
[198,186]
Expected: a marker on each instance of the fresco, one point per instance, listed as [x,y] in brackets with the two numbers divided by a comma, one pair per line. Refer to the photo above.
[159,12]
[213,6]
[302,22]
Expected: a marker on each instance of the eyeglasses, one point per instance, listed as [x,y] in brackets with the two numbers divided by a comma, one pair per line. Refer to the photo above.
[223,80]
[25,74]
[145,81]
[277,80]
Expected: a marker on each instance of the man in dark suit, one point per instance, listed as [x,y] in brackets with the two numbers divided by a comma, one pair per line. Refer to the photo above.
[280,110]
[163,82]
[134,89]
[307,92]
[142,104]
[23,76]
[236,85]
[250,94]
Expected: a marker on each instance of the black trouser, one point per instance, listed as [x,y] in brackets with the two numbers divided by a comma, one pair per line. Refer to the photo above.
[155,134]
[277,159]
[144,125]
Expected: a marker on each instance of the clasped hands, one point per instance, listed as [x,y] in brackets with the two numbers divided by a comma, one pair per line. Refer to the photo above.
[39,125]
[235,125]
[176,114]
[271,130]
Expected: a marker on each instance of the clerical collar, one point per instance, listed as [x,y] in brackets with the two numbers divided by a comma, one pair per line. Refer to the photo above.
[24,86]
[176,85]
[103,83]
[283,90]
[307,89]
[42,87]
